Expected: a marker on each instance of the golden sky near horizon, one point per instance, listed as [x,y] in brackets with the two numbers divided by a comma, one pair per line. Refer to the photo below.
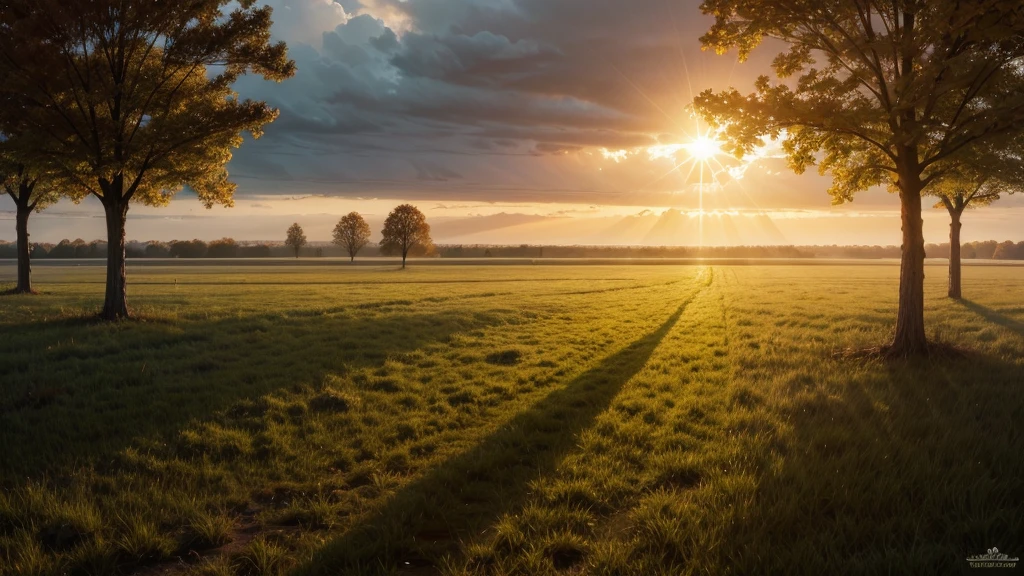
[512,121]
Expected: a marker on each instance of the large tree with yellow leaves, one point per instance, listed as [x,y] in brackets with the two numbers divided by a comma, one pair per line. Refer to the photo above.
[892,93]
[133,98]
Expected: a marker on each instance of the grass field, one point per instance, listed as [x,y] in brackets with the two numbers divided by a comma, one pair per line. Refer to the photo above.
[507,420]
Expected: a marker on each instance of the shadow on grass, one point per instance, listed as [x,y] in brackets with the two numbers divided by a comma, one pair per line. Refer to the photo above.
[426,520]
[896,467]
[78,391]
[994,316]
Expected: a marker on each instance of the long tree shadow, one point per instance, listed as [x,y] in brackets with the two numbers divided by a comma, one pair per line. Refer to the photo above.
[69,377]
[994,316]
[904,468]
[427,519]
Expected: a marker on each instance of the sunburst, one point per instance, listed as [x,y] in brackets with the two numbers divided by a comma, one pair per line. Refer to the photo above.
[703,148]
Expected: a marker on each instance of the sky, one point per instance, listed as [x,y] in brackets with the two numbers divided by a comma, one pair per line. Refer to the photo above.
[511,122]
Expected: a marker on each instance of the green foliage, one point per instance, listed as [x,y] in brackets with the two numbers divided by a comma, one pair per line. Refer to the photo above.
[261,558]
[208,530]
[133,110]
[28,190]
[406,232]
[132,100]
[352,233]
[879,93]
[885,93]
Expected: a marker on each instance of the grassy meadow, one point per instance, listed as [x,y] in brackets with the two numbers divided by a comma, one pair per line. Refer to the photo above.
[507,420]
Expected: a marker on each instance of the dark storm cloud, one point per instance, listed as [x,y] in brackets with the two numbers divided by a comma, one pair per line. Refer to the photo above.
[453,81]
[483,59]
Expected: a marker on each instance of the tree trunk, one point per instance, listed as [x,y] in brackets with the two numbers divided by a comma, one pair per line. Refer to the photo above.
[910,336]
[115,306]
[404,254]
[954,255]
[24,251]
[352,257]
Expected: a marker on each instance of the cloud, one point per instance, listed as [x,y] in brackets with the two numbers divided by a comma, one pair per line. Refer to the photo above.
[490,90]
[502,100]
[434,172]
[305,20]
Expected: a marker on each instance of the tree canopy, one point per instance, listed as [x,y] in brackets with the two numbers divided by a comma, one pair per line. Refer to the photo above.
[872,80]
[296,238]
[977,180]
[31,185]
[133,99]
[352,233]
[875,93]
[405,231]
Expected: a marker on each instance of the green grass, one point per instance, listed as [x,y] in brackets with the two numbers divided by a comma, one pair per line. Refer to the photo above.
[507,420]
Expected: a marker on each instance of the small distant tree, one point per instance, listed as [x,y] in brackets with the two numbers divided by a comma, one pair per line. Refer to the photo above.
[406,232]
[352,233]
[296,238]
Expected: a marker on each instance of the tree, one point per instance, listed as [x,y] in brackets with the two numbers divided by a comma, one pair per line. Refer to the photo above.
[405,232]
[296,238]
[187,249]
[254,251]
[352,233]
[223,248]
[970,186]
[1005,251]
[156,249]
[31,192]
[984,250]
[133,98]
[889,93]
[29,184]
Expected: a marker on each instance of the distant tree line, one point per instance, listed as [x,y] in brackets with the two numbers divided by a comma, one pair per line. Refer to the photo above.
[78,248]
[230,248]
[989,249]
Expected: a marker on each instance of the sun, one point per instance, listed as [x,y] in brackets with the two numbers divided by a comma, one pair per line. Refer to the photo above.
[703,148]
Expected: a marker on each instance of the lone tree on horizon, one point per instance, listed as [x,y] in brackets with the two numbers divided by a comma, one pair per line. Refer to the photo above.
[352,233]
[296,238]
[133,99]
[405,232]
[888,94]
